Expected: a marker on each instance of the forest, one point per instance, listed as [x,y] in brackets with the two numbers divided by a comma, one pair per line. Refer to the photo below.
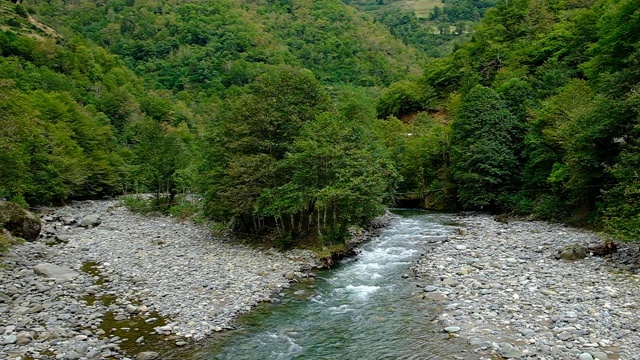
[298,119]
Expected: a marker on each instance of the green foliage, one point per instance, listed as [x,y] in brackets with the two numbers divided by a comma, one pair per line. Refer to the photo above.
[254,131]
[182,207]
[21,10]
[568,72]
[420,152]
[279,162]
[159,156]
[433,27]
[66,110]
[209,46]
[484,149]
[402,98]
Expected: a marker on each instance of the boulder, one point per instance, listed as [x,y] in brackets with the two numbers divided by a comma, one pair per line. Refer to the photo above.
[23,338]
[572,252]
[18,221]
[147,355]
[90,220]
[509,351]
[55,271]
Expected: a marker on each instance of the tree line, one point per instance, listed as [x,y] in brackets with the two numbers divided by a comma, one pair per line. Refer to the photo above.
[290,128]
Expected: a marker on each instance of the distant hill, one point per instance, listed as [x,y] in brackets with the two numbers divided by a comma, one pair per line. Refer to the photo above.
[432,26]
[216,44]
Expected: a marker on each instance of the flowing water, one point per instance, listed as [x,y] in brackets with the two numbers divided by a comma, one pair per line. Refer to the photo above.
[362,309]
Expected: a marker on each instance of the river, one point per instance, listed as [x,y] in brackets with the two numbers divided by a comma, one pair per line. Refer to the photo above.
[361,309]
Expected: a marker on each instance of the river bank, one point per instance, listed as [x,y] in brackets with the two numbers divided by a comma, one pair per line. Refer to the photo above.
[504,291]
[132,283]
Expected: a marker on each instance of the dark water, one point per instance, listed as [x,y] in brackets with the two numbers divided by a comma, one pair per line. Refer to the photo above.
[362,309]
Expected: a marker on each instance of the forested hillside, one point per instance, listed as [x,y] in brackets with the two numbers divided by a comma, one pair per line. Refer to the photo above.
[232,100]
[432,26]
[211,45]
[298,119]
[541,114]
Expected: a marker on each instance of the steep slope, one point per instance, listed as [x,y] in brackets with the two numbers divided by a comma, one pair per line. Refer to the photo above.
[69,113]
[213,45]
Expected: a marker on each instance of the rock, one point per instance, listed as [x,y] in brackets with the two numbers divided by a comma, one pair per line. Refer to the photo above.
[436,296]
[63,238]
[23,338]
[430,288]
[72,355]
[290,276]
[449,282]
[465,270]
[502,218]
[132,309]
[565,335]
[55,271]
[147,355]
[68,220]
[93,355]
[599,355]
[461,247]
[90,220]
[585,356]
[452,329]
[82,348]
[572,252]
[18,221]
[508,351]
[9,339]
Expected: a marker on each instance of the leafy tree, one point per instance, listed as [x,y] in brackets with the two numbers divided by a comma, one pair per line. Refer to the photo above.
[404,97]
[254,131]
[160,154]
[339,179]
[483,153]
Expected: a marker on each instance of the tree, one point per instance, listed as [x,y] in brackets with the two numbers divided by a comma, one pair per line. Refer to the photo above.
[484,137]
[252,134]
[402,98]
[159,156]
[339,178]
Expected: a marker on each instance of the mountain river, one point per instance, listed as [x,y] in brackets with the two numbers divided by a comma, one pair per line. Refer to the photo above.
[361,309]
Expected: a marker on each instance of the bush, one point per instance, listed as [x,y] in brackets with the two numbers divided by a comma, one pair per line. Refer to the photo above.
[517,204]
[13,23]
[550,207]
[22,11]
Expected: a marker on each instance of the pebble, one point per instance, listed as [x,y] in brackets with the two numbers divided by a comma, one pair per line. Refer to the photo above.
[452,329]
[148,264]
[509,290]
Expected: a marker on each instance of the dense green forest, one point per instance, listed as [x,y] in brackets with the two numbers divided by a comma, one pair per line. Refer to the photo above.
[432,26]
[297,119]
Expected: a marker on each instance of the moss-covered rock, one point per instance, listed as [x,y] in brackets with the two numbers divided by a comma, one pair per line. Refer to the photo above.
[18,221]
[572,252]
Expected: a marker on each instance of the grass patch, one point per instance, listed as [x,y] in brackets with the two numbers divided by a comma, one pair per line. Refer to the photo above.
[424,8]
[327,251]
[7,240]
[182,207]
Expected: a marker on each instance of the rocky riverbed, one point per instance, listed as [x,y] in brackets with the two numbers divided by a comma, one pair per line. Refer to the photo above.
[103,282]
[503,290]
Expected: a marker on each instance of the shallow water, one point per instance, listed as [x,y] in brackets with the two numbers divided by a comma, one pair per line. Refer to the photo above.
[362,309]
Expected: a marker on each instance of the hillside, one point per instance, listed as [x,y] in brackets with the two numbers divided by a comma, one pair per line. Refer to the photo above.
[541,108]
[213,45]
[432,26]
